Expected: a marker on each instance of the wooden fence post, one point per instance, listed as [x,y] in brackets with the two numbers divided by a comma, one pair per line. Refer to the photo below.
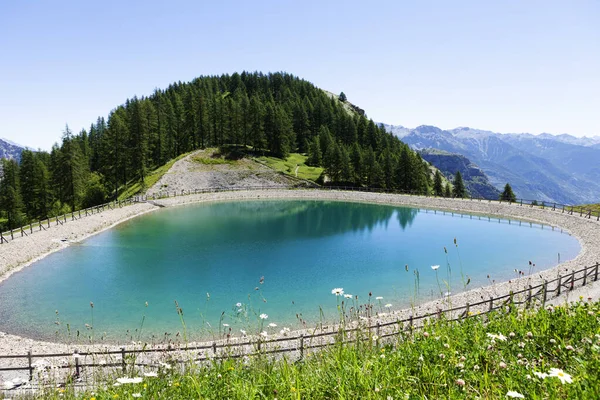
[302,346]
[76,355]
[123,363]
[214,347]
[544,293]
[559,285]
[596,273]
[585,274]
[528,304]
[467,310]
[411,323]
[572,280]
[30,365]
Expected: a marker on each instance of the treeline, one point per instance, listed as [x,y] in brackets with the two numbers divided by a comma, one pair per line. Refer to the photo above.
[272,113]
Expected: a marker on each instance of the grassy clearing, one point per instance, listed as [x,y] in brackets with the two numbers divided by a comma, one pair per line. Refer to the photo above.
[213,159]
[509,354]
[150,180]
[288,166]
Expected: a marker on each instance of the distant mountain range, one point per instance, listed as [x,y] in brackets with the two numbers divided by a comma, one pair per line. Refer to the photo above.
[553,168]
[10,150]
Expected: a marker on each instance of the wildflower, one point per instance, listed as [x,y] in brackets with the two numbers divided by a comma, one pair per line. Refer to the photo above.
[502,365]
[529,335]
[476,367]
[136,395]
[569,347]
[272,325]
[285,331]
[243,332]
[460,382]
[498,336]
[514,395]
[446,345]
[338,291]
[435,267]
[151,374]
[382,356]
[378,298]
[521,344]
[388,305]
[348,296]
[460,365]
[375,338]
[264,316]
[541,375]
[123,381]
[442,356]
[560,374]
[225,325]
[552,341]
[238,305]
[512,334]
[426,334]
[264,334]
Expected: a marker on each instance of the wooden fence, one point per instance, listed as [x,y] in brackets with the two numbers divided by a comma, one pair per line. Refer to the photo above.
[62,219]
[298,345]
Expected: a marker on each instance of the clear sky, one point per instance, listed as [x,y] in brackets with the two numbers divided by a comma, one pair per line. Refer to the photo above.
[506,66]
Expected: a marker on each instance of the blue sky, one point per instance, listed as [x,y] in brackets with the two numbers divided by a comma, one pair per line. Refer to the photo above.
[507,66]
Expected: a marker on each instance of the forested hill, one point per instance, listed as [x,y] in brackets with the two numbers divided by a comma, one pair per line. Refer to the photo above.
[273,114]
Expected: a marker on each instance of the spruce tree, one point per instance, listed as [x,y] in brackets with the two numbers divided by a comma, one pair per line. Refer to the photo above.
[315,156]
[438,188]
[459,186]
[448,190]
[507,194]
[10,196]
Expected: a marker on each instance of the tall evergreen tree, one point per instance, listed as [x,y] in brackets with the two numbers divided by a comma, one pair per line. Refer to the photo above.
[10,196]
[447,190]
[438,188]
[508,194]
[459,186]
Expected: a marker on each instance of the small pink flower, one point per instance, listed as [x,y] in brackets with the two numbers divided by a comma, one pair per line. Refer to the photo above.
[460,382]
[426,334]
[502,365]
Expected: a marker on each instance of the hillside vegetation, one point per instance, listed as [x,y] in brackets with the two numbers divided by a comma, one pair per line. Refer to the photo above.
[273,114]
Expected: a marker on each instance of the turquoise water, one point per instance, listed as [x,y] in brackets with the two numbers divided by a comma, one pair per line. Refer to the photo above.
[209,257]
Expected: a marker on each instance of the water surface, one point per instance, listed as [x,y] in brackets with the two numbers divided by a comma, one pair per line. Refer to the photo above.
[209,257]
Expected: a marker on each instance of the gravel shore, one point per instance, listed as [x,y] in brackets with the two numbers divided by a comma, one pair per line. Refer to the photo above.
[23,251]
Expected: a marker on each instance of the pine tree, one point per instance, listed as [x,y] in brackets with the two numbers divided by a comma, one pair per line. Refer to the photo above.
[507,194]
[438,188]
[448,190]
[315,156]
[10,197]
[459,186]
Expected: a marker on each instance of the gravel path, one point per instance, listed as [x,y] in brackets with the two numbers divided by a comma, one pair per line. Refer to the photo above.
[23,251]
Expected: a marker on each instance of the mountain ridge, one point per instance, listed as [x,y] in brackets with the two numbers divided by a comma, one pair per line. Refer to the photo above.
[553,168]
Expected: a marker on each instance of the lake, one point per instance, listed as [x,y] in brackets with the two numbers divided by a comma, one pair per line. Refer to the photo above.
[225,263]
